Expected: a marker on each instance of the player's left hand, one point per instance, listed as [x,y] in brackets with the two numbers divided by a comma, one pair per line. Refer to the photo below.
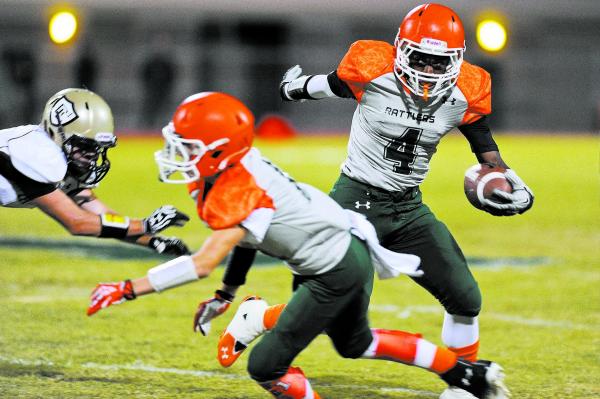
[168,246]
[163,217]
[209,309]
[291,74]
[517,202]
[106,294]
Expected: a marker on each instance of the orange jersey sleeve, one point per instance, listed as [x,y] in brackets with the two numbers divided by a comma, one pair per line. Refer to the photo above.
[365,61]
[476,84]
[232,199]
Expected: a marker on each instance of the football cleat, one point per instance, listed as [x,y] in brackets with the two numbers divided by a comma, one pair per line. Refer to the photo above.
[293,385]
[247,325]
[482,379]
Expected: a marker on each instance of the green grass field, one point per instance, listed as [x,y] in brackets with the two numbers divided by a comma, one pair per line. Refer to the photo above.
[538,272]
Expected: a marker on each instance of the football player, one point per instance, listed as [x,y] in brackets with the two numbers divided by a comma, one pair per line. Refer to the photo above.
[250,203]
[409,95]
[55,165]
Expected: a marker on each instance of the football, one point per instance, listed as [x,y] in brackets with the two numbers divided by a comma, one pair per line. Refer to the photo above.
[480,182]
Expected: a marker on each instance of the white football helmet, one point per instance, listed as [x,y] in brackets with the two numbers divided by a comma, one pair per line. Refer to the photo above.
[81,123]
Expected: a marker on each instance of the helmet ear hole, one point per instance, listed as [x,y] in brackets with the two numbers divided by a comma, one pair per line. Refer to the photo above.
[216,154]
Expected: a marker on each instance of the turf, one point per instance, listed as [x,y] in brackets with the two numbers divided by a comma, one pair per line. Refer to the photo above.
[541,317]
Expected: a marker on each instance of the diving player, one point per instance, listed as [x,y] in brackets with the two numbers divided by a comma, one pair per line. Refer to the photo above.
[55,165]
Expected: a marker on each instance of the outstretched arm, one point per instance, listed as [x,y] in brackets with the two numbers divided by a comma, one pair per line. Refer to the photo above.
[87,200]
[181,270]
[297,87]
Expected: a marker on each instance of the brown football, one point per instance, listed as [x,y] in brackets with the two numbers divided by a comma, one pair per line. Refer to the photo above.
[480,182]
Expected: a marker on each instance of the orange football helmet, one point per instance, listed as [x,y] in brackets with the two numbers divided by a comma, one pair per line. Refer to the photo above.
[434,30]
[208,132]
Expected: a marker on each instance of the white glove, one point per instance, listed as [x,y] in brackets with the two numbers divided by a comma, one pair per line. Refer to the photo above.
[209,309]
[285,90]
[517,202]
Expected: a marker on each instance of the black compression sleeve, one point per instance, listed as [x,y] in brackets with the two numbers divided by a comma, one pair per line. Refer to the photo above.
[338,86]
[238,264]
[30,188]
[479,135]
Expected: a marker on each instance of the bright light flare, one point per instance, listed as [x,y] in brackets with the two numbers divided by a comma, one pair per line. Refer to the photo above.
[62,27]
[491,35]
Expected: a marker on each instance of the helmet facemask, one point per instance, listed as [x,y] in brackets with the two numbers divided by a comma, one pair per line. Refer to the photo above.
[186,157]
[422,83]
[87,159]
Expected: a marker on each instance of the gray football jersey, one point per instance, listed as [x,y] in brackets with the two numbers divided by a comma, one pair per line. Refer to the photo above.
[393,135]
[291,221]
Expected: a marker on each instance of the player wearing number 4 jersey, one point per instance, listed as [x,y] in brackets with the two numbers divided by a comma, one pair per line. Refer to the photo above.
[249,203]
[409,96]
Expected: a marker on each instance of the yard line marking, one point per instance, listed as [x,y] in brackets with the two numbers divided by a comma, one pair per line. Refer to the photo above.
[406,311]
[139,366]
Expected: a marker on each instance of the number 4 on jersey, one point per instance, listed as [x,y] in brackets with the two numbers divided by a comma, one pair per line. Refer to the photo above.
[403,150]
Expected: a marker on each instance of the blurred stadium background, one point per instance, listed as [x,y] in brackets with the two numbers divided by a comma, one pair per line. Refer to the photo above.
[545,78]
[539,272]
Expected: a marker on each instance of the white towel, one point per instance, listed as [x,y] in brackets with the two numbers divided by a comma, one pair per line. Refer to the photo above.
[387,264]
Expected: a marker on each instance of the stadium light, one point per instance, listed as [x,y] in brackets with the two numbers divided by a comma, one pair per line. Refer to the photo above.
[62,27]
[491,35]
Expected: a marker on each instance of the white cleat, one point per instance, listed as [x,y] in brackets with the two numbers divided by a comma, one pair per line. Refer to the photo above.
[247,325]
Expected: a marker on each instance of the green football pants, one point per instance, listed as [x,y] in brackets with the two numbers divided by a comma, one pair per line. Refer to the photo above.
[335,302]
[405,224]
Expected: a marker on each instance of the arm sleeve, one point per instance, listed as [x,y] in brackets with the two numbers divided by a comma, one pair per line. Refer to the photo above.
[479,136]
[338,86]
[238,264]
[30,188]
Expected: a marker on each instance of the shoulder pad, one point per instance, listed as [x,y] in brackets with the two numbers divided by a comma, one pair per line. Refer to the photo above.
[35,155]
[366,60]
[232,199]
[476,85]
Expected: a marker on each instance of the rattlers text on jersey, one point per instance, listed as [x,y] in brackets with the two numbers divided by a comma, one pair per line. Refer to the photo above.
[393,135]
[291,221]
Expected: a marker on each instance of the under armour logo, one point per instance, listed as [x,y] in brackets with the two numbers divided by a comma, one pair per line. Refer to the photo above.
[224,355]
[367,205]
[452,100]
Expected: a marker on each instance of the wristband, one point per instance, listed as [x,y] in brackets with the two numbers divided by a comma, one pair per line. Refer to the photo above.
[224,295]
[297,88]
[128,292]
[113,226]
[172,273]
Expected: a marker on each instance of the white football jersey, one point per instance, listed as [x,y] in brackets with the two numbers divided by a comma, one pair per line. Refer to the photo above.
[291,221]
[28,156]
[393,136]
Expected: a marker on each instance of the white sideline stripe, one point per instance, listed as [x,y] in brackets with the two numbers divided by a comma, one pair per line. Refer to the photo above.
[406,312]
[138,366]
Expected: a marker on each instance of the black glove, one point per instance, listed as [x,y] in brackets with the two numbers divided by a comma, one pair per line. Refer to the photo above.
[163,217]
[168,246]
